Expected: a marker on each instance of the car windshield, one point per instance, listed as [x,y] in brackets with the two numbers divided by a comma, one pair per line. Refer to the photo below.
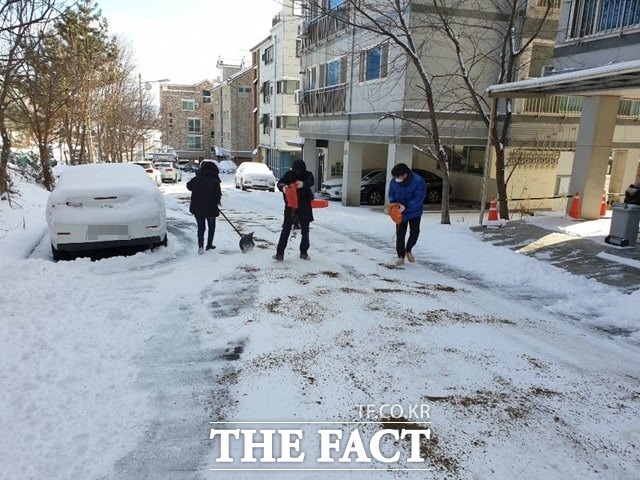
[227,164]
[380,176]
[254,167]
[144,164]
[369,175]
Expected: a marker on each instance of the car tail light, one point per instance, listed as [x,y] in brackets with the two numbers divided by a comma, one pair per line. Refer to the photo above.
[169,169]
[148,170]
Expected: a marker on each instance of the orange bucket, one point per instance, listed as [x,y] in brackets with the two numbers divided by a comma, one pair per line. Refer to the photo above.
[319,203]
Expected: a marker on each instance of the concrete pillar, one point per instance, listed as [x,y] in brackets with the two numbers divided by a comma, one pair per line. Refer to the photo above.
[352,174]
[397,153]
[310,157]
[593,146]
[623,171]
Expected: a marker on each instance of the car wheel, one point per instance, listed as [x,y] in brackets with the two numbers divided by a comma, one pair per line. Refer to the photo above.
[433,196]
[237,186]
[375,197]
[242,186]
[59,254]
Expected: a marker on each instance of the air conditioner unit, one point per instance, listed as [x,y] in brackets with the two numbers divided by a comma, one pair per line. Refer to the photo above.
[297,96]
[196,104]
[547,70]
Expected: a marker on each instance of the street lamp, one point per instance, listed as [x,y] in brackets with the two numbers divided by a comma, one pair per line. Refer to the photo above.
[147,86]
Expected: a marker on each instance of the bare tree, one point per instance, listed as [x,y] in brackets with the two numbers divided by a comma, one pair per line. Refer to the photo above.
[20,21]
[452,50]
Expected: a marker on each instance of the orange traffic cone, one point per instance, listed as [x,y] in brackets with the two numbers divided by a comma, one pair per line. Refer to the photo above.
[574,211]
[603,204]
[493,211]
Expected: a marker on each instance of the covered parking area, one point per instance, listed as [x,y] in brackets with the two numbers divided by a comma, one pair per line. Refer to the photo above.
[603,88]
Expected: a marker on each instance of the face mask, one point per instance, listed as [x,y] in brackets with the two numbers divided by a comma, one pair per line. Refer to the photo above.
[399,180]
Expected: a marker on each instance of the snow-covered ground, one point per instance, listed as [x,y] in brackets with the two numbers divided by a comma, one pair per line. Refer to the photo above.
[115,368]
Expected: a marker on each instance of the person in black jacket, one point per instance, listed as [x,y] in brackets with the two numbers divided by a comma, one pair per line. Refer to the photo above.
[302,180]
[205,197]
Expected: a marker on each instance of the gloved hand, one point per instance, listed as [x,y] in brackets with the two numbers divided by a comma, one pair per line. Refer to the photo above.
[299,184]
[401,208]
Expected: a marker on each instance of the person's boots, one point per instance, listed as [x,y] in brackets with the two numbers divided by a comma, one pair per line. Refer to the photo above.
[210,247]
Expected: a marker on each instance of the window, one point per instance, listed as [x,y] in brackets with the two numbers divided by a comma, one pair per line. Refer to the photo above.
[311,78]
[288,122]
[212,134]
[287,86]
[466,159]
[590,17]
[206,96]
[212,116]
[244,89]
[194,125]
[188,105]
[333,4]
[267,56]
[335,72]
[194,142]
[373,63]
[298,48]
[266,123]
[266,92]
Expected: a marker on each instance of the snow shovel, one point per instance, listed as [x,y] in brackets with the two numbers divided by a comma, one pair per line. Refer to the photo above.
[246,241]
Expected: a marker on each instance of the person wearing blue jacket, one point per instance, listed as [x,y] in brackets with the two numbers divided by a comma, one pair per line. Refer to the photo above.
[409,190]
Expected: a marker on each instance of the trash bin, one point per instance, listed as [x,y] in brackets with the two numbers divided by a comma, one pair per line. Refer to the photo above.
[624,225]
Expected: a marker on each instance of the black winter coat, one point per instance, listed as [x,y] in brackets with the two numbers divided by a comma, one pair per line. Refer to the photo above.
[305,194]
[205,194]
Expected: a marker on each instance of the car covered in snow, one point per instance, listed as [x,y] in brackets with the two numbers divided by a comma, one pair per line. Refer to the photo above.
[104,205]
[256,176]
[227,166]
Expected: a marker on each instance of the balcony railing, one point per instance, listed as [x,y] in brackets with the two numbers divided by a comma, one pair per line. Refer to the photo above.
[321,28]
[324,100]
[567,105]
[555,4]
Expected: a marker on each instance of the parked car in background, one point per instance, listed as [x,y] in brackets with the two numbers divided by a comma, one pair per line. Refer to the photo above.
[332,188]
[256,176]
[104,205]
[187,166]
[152,171]
[372,190]
[169,172]
[227,166]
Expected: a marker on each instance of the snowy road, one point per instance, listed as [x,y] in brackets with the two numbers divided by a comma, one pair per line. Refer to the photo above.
[114,369]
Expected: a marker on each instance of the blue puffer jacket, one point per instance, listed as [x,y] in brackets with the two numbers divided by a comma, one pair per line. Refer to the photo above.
[409,193]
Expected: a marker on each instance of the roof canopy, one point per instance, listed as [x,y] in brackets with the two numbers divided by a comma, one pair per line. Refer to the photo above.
[619,79]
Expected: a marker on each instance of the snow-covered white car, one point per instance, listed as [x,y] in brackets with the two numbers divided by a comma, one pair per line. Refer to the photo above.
[256,176]
[227,166]
[104,205]
[152,171]
[169,172]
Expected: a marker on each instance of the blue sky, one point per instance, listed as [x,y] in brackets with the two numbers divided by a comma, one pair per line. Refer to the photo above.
[183,40]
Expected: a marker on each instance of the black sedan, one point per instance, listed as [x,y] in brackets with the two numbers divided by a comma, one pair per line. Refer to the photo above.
[372,190]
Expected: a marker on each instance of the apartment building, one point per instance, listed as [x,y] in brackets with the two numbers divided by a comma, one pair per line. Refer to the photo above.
[276,76]
[186,113]
[231,118]
[361,106]
[595,72]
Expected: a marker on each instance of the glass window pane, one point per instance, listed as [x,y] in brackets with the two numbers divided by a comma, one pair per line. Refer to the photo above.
[373,64]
